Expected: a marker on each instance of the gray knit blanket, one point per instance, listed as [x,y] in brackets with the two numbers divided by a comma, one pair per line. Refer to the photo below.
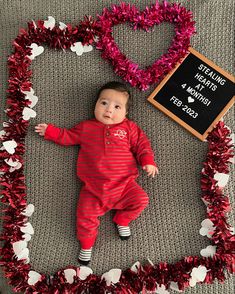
[66,86]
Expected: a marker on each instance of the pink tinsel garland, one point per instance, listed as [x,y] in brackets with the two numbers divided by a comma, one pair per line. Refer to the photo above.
[153,15]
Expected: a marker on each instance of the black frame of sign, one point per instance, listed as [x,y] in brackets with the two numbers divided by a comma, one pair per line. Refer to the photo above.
[202,131]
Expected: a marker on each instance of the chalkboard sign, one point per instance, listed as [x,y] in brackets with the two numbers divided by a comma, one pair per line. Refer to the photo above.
[196,94]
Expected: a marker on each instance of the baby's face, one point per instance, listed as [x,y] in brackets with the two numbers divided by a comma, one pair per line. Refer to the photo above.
[111,106]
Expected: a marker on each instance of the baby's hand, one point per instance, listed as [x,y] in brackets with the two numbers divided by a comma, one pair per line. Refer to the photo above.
[41,129]
[151,170]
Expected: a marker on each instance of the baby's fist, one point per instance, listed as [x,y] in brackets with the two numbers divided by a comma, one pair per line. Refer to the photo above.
[41,129]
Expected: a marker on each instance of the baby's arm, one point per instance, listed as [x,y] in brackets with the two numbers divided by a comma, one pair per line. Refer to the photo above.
[61,136]
[142,149]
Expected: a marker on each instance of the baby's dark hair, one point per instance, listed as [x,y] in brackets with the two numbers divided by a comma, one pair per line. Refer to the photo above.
[120,87]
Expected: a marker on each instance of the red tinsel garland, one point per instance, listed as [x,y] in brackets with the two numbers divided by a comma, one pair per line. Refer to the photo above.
[13,183]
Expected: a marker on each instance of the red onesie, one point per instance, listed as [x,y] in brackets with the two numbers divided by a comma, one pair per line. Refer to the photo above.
[107,167]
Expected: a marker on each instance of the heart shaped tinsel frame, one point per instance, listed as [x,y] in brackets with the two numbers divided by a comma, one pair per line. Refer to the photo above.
[146,19]
[17,229]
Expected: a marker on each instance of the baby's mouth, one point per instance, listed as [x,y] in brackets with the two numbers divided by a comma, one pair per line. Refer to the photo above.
[106,116]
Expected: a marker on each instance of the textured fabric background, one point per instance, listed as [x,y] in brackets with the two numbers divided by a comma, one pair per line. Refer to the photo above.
[66,85]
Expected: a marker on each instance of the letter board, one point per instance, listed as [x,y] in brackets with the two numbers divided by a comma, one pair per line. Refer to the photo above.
[196,94]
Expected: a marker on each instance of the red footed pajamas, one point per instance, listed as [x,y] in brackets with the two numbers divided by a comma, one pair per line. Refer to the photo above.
[108,169]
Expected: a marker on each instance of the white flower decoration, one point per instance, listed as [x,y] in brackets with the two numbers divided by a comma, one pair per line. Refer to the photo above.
[36,50]
[20,247]
[112,277]
[31,97]
[21,251]
[18,166]
[62,26]
[14,165]
[10,146]
[34,277]
[136,266]
[29,210]
[26,237]
[69,275]
[50,23]
[209,251]
[2,133]
[222,179]
[28,113]
[11,163]
[80,49]
[84,272]
[198,274]
[5,124]
[207,228]
[27,229]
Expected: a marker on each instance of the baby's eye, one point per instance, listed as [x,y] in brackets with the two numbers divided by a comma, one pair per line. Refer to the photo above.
[117,107]
[103,102]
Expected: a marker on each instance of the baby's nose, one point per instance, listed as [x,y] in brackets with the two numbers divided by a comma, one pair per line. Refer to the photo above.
[109,109]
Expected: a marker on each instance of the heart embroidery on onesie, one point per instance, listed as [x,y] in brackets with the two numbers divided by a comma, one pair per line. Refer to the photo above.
[121,134]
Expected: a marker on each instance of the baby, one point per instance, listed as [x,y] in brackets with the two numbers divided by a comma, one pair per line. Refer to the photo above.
[110,145]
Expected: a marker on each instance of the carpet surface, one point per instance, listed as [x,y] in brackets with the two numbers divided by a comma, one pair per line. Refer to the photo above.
[66,86]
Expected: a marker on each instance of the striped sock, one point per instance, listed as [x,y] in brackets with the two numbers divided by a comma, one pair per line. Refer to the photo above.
[85,256]
[124,232]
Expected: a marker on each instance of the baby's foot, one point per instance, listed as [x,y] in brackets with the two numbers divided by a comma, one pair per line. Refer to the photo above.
[124,232]
[85,256]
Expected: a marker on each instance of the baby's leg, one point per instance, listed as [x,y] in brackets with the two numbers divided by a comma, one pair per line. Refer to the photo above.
[89,208]
[133,201]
